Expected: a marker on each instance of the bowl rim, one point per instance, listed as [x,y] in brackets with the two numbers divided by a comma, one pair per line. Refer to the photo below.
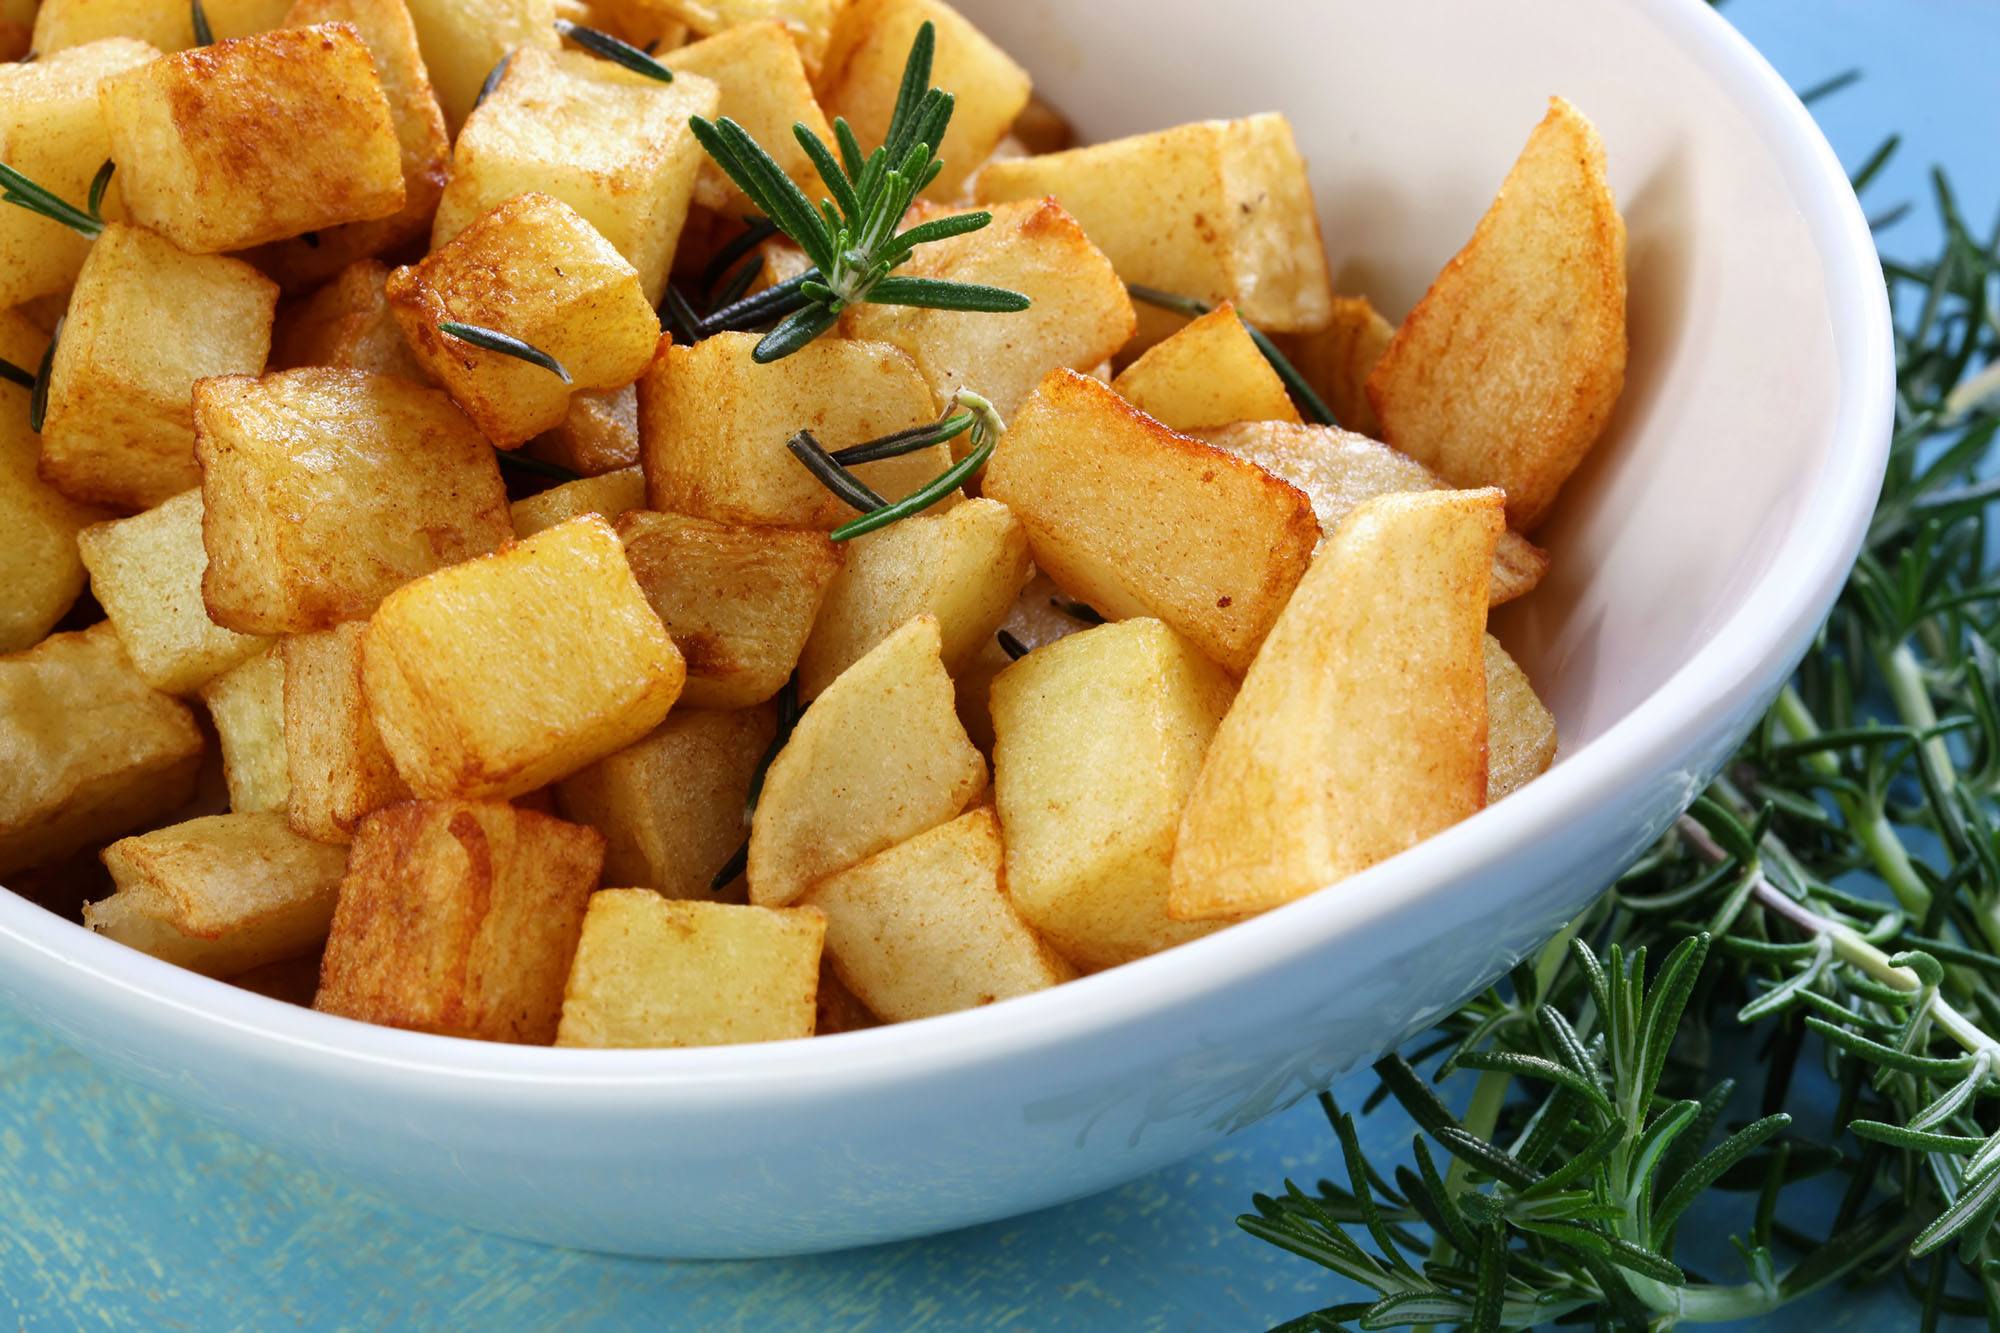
[1779,610]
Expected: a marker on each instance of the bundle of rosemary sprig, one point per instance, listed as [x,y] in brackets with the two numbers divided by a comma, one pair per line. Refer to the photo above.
[1835,897]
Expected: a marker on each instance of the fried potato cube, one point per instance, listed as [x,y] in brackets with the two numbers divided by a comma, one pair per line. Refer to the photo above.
[1208,374]
[247,705]
[1220,210]
[255,139]
[964,567]
[1080,314]
[713,426]
[147,571]
[88,750]
[670,807]
[460,918]
[879,758]
[599,434]
[809,23]
[422,143]
[764,88]
[51,133]
[500,675]
[738,600]
[926,928]
[61,24]
[650,971]
[325,490]
[1507,371]
[864,72]
[608,496]
[1037,617]
[1139,521]
[145,322]
[221,894]
[1361,728]
[613,145]
[1097,741]
[40,569]
[334,757]
[1338,470]
[348,324]
[535,270]
[462,40]
[1338,359]
[1520,732]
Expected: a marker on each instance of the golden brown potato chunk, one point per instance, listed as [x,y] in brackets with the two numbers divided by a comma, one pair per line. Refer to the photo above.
[334,757]
[653,972]
[864,71]
[600,433]
[1139,521]
[671,806]
[500,675]
[40,570]
[1338,359]
[421,141]
[1080,314]
[1506,372]
[221,894]
[147,571]
[170,27]
[534,270]
[325,490]
[255,139]
[348,324]
[877,759]
[1206,375]
[838,1009]
[808,22]
[612,144]
[1338,470]
[763,87]
[88,750]
[51,133]
[460,918]
[1097,741]
[738,600]
[247,705]
[608,496]
[964,567]
[926,928]
[1361,728]
[462,40]
[713,426]
[1220,210]
[1520,733]
[145,322]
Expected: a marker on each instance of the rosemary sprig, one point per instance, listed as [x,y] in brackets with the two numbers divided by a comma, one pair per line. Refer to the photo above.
[851,236]
[607,47]
[1307,397]
[506,344]
[789,712]
[18,190]
[980,417]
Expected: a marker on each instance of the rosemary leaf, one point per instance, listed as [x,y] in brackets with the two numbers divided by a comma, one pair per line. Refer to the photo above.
[492,79]
[604,45]
[13,374]
[850,488]
[918,500]
[1303,392]
[98,185]
[18,190]
[38,396]
[1012,646]
[203,34]
[493,340]
[905,441]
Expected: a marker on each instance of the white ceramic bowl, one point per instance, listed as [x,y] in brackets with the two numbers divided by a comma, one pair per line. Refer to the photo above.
[1694,557]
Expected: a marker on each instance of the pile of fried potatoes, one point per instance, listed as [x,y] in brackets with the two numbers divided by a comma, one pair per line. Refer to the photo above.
[354,716]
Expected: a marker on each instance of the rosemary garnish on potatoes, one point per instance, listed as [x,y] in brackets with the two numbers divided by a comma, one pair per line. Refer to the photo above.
[1303,392]
[831,468]
[604,45]
[38,391]
[18,190]
[506,344]
[203,34]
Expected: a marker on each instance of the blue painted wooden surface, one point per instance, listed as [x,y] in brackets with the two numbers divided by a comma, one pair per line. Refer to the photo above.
[119,1211]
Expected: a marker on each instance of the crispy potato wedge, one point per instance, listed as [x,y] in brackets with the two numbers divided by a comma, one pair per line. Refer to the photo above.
[461,918]
[1139,521]
[1080,314]
[963,567]
[926,927]
[1208,374]
[334,757]
[651,971]
[255,139]
[713,426]
[346,324]
[600,433]
[325,490]
[1338,359]
[1361,728]
[1507,371]
[500,675]
[1097,741]
[1338,470]
[88,750]
[879,758]
[222,894]
[247,705]
[40,570]
[145,322]
[671,806]
[60,24]
[147,572]
[611,144]
[1520,732]
[608,496]
[738,600]
[763,87]
[462,40]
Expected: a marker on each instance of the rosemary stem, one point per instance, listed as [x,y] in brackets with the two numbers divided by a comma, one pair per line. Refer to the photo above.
[1913,703]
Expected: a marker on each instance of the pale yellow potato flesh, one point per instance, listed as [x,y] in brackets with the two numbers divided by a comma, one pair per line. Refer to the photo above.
[41,572]
[247,705]
[608,495]
[762,86]
[1206,375]
[1520,730]
[1361,728]
[60,24]
[808,22]
[338,768]
[462,40]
